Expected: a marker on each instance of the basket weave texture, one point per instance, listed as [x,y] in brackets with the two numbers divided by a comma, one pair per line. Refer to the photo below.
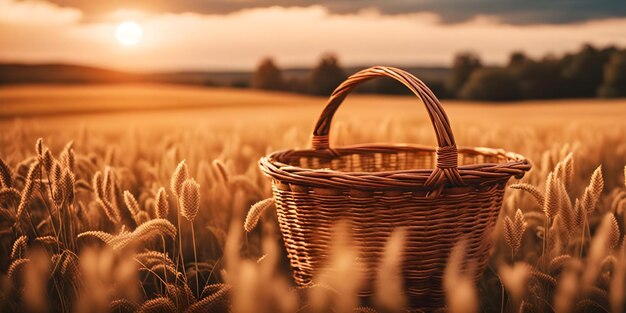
[439,196]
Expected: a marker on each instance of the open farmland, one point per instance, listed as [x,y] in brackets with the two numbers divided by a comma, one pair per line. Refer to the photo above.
[134,137]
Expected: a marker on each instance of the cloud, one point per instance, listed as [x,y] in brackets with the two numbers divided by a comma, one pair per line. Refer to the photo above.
[450,11]
[293,36]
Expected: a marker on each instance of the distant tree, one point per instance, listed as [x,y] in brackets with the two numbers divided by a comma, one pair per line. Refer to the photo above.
[517,58]
[491,84]
[464,64]
[326,76]
[614,84]
[584,71]
[268,76]
[539,79]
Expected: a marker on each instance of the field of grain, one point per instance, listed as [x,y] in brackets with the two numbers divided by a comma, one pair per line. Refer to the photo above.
[126,198]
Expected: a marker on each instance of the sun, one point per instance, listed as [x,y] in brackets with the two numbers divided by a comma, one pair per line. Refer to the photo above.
[129,33]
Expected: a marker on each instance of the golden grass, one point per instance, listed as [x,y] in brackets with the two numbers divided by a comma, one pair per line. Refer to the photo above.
[94,197]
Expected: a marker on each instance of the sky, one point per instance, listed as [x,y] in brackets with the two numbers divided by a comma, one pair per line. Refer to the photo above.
[236,34]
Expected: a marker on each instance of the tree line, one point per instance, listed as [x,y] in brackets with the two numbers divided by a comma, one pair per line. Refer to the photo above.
[587,73]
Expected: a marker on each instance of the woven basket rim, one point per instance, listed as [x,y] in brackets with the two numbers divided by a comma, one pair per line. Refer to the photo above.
[274,166]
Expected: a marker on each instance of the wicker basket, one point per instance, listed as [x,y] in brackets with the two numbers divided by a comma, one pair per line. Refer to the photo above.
[439,195]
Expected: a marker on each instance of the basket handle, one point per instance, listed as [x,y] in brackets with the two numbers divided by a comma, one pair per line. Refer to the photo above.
[447,154]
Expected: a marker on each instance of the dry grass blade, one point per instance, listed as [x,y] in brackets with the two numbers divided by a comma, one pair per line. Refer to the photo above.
[19,248]
[255,213]
[190,199]
[6,175]
[178,178]
[158,305]
[534,191]
[162,206]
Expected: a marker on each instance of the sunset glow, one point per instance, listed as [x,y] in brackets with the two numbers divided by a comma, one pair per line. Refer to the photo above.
[129,33]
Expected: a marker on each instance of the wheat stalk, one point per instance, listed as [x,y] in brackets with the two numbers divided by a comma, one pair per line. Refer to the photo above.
[67,183]
[67,156]
[142,232]
[593,191]
[122,305]
[29,188]
[39,147]
[189,199]
[534,191]
[614,232]
[566,212]
[255,213]
[6,175]
[158,305]
[220,168]
[514,231]
[213,303]
[162,206]
[15,269]
[190,204]
[19,248]
[99,190]
[551,202]
[131,204]
[178,178]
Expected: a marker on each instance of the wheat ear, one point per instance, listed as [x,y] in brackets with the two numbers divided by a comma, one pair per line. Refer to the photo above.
[100,194]
[67,183]
[220,168]
[6,175]
[158,305]
[534,191]
[566,211]
[551,202]
[162,206]
[514,231]
[131,204]
[29,188]
[614,233]
[190,199]
[180,175]
[255,213]
[19,248]
[190,204]
[593,191]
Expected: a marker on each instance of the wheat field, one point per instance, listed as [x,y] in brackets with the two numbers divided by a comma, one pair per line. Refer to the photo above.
[124,199]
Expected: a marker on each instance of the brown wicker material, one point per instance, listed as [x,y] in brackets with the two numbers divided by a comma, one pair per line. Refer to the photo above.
[439,195]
